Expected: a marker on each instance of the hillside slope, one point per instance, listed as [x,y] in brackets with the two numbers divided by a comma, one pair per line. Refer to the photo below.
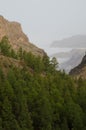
[80,70]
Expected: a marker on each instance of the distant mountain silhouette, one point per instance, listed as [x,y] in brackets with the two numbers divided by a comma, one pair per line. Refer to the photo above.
[78,41]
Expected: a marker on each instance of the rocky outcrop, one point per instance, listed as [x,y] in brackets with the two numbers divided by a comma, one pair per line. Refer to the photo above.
[16,37]
[80,70]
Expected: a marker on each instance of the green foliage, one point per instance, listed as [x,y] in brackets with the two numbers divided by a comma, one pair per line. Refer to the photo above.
[38,97]
[4,46]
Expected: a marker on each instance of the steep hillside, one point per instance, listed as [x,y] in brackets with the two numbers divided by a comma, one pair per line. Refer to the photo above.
[16,37]
[80,70]
[7,62]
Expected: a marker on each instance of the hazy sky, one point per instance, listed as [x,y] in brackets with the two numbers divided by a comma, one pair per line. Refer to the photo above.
[47,20]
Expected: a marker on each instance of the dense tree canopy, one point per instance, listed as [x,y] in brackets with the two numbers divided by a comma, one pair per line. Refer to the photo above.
[38,97]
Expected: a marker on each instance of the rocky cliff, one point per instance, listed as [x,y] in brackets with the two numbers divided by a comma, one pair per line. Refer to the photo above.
[80,70]
[16,37]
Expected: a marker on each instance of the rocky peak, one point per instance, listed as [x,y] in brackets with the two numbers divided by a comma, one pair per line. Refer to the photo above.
[16,37]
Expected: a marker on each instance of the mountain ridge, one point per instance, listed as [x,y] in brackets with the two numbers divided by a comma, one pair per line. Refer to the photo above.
[17,38]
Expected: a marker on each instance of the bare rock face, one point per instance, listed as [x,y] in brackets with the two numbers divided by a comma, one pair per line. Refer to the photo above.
[17,38]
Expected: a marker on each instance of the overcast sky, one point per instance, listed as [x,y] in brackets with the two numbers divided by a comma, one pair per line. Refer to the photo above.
[47,20]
